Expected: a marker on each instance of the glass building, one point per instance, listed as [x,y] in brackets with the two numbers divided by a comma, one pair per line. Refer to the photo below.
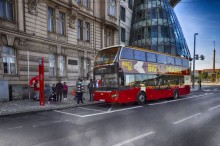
[155,27]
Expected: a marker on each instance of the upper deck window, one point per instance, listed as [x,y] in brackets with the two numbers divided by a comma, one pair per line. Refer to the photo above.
[178,61]
[151,57]
[139,55]
[170,60]
[185,62]
[161,59]
[127,53]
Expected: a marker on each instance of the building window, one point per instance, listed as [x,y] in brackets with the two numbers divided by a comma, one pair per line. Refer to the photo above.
[7,9]
[87,31]
[61,23]
[80,29]
[52,62]
[122,34]
[86,3]
[165,32]
[51,19]
[112,7]
[9,60]
[154,31]
[108,37]
[61,65]
[130,4]
[122,13]
[78,1]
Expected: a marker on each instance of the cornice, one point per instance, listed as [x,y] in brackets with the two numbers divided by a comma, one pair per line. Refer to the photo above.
[27,37]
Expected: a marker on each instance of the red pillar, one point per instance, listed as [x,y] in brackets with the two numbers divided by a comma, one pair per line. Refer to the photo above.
[41,80]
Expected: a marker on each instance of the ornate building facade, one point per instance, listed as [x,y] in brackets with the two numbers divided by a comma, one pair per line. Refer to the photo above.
[67,34]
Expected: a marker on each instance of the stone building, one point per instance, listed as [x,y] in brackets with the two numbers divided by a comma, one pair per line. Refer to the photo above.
[66,33]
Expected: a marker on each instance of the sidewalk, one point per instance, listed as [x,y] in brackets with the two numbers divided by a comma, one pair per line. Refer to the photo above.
[29,105]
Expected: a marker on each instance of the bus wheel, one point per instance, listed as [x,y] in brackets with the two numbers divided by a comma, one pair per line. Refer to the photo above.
[175,94]
[141,99]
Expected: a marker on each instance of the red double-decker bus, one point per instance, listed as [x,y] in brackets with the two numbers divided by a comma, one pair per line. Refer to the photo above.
[126,74]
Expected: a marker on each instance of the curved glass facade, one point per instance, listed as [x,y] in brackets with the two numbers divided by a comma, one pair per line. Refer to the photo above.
[155,27]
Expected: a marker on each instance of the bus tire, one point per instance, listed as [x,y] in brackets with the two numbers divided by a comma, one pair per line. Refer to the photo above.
[141,99]
[175,94]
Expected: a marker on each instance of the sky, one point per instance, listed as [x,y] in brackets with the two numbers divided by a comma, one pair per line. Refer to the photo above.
[202,17]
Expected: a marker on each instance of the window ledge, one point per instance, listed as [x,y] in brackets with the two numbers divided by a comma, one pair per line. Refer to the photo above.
[11,24]
[10,75]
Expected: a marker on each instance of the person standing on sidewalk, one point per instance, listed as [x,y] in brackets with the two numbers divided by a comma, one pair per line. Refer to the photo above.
[65,91]
[59,90]
[36,90]
[200,84]
[79,91]
[90,87]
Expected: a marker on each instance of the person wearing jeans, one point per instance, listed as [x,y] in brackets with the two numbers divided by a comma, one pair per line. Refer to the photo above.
[79,91]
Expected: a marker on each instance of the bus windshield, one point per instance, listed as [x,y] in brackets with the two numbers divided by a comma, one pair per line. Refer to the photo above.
[106,77]
[106,56]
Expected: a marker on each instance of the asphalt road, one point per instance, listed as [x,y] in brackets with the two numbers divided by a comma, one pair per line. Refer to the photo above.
[192,120]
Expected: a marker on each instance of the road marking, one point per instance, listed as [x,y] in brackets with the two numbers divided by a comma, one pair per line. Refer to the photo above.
[47,124]
[194,96]
[90,109]
[110,109]
[214,107]
[108,112]
[134,139]
[187,118]
[15,127]
[102,113]
[68,113]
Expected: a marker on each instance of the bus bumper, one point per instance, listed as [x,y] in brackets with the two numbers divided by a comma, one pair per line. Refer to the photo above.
[106,96]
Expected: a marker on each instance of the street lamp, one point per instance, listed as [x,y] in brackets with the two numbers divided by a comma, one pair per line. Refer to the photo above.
[193,79]
[214,73]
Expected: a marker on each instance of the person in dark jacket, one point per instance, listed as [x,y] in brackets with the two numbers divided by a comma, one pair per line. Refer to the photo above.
[65,91]
[90,87]
[79,91]
[59,91]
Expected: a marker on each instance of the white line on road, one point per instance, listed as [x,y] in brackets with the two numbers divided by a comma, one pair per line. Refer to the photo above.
[214,107]
[68,113]
[110,109]
[134,139]
[90,109]
[187,118]
[15,127]
[102,113]
[195,96]
[108,112]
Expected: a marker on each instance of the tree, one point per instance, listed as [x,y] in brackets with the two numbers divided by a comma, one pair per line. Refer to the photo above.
[204,75]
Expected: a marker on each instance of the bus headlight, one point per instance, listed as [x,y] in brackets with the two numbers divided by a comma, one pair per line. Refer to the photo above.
[115,95]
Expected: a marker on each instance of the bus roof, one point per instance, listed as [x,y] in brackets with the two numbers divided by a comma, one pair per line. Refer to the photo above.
[113,47]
